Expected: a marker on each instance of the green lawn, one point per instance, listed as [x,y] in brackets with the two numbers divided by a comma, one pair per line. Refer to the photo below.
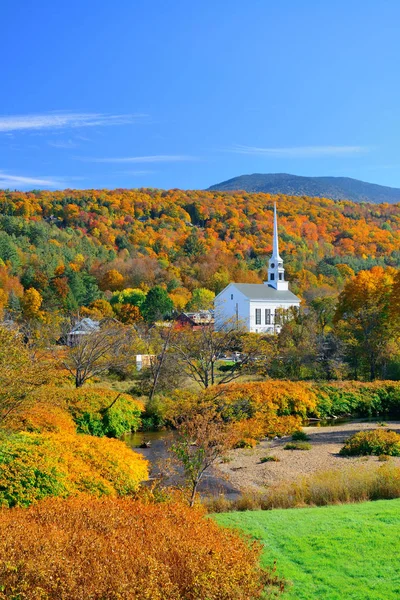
[347,552]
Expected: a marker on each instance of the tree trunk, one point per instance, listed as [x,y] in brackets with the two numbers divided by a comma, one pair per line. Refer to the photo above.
[193,494]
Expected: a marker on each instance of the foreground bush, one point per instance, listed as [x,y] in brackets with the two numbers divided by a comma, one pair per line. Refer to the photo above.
[33,466]
[353,484]
[377,442]
[86,549]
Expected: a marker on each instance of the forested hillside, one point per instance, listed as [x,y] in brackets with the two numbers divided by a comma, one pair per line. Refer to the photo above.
[73,246]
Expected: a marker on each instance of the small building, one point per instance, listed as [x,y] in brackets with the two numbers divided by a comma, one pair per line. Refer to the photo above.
[258,307]
[196,320]
[81,328]
[144,361]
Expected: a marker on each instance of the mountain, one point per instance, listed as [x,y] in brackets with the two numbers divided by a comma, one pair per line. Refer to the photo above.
[336,188]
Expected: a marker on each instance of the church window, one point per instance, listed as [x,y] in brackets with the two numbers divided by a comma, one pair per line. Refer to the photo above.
[268,316]
[272,276]
[280,276]
[258,316]
[231,296]
[272,266]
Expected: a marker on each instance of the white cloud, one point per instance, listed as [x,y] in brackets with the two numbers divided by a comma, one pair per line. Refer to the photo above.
[60,120]
[299,151]
[18,182]
[158,158]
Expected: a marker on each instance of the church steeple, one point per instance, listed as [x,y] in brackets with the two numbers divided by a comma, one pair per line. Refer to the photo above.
[275,243]
[276,272]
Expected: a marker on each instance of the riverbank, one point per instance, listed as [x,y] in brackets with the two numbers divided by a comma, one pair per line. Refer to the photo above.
[244,469]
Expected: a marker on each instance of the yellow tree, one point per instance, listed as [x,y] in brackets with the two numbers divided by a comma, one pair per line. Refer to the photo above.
[20,374]
[363,317]
[112,280]
[31,303]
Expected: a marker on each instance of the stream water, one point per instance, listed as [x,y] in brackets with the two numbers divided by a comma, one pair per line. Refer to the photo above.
[158,455]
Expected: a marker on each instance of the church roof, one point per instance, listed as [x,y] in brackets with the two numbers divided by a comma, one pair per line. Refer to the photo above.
[262,291]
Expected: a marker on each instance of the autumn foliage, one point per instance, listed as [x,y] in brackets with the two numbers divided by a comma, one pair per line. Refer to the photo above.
[86,549]
[42,417]
[34,466]
[99,411]
[71,245]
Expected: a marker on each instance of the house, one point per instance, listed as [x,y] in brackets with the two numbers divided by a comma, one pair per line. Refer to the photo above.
[196,320]
[81,328]
[258,307]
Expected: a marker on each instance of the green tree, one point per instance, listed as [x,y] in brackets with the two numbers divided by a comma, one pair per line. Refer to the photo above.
[134,296]
[202,299]
[158,305]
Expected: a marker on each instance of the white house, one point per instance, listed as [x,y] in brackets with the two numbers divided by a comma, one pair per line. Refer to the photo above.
[258,307]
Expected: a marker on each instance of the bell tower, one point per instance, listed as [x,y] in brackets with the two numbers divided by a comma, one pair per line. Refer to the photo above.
[276,272]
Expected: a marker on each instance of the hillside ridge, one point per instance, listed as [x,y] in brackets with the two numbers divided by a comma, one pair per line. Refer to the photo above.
[334,188]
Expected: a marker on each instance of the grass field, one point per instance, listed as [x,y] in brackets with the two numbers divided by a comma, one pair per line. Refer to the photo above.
[346,552]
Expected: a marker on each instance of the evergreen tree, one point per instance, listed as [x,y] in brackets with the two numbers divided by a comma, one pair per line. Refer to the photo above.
[158,305]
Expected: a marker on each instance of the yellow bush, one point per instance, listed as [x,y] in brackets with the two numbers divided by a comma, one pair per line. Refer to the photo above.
[33,466]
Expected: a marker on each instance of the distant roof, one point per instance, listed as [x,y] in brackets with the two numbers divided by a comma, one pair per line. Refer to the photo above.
[85,325]
[202,317]
[262,291]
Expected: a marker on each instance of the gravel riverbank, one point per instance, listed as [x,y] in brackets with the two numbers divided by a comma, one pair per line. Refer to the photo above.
[244,469]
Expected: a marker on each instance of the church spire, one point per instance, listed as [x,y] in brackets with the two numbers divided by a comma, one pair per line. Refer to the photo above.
[276,272]
[275,244]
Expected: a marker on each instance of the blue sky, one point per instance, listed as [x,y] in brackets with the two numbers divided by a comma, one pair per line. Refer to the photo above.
[187,93]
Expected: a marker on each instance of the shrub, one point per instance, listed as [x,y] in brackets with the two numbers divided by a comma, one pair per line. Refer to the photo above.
[358,399]
[103,412]
[297,446]
[87,549]
[34,466]
[269,458]
[42,417]
[376,442]
[300,436]
[353,484]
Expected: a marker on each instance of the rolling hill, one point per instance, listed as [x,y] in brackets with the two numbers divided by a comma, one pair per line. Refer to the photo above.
[335,188]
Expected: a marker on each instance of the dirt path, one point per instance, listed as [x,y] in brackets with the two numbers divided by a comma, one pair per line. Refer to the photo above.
[245,470]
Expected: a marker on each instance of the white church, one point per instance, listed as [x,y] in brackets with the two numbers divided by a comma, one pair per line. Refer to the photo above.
[258,307]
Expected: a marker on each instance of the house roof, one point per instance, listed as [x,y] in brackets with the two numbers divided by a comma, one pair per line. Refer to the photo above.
[202,317]
[262,291]
[85,325]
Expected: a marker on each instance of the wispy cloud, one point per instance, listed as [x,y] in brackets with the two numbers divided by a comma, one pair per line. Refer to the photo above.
[135,172]
[64,120]
[299,151]
[157,158]
[17,181]
[64,144]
